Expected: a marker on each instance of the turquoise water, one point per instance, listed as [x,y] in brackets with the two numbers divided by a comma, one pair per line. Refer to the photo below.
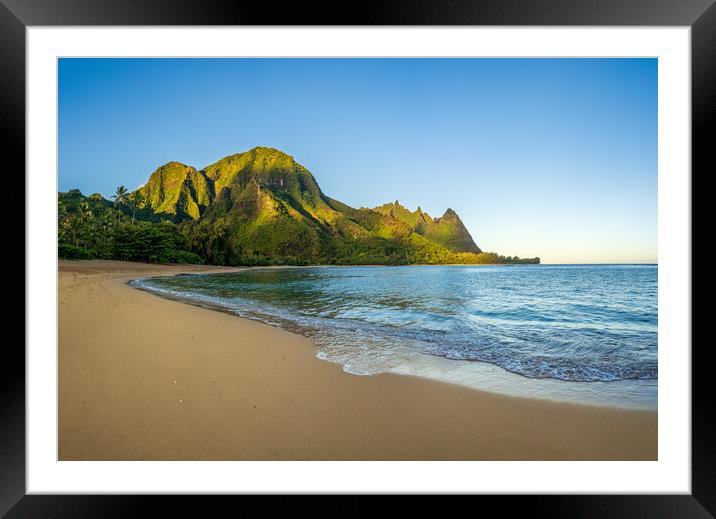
[561,323]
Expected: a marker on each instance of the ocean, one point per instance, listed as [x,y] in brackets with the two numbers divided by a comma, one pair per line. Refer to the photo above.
[577,333]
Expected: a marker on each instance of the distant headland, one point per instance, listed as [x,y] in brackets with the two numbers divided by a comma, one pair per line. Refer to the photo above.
[259,207]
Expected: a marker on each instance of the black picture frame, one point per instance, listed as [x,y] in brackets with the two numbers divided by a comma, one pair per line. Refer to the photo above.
[16,15]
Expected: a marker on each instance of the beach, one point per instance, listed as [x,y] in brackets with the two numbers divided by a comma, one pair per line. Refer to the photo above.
[146,378]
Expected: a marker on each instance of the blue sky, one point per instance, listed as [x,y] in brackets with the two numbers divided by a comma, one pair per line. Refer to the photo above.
[554,158]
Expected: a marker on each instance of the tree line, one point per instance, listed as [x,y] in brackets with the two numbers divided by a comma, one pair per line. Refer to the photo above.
[94,228]
[127,229]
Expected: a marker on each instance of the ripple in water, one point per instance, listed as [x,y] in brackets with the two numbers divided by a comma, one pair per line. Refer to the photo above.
[576,323]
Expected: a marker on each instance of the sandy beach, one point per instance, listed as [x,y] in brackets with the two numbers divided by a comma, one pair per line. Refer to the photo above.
[145,378]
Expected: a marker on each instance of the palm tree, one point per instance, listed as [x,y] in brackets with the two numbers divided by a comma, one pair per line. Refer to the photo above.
[84,211]
[136,199]
[121,196]
[84,217]
[107,223]
[71,224]
[61,210]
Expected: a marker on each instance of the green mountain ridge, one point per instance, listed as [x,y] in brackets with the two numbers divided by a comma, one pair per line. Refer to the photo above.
[177,191]
[263,207]
[446,230]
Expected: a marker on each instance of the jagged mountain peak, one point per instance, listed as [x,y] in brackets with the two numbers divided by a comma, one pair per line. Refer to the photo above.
[270,168]
[178,191]
[447,230]
[265,188]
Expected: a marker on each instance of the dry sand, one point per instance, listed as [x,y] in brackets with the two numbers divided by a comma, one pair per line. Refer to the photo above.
[145,378]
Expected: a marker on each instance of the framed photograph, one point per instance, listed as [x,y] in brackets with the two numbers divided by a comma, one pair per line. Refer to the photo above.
[423,250]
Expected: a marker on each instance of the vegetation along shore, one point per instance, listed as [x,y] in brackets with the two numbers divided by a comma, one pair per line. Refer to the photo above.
[259,207]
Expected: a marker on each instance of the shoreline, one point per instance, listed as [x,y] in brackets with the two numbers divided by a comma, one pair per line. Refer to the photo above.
[146,377]
[475,375]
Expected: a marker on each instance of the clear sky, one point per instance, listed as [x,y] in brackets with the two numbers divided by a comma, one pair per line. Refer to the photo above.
[554,158]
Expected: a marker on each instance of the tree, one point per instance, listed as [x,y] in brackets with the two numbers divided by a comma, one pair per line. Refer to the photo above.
[85,217]
[136,200]
[61,211]
[69,227]
[121,196]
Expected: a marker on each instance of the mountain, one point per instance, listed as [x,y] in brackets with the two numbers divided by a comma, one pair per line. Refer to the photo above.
[177,191]
[263,207]
[447,230]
